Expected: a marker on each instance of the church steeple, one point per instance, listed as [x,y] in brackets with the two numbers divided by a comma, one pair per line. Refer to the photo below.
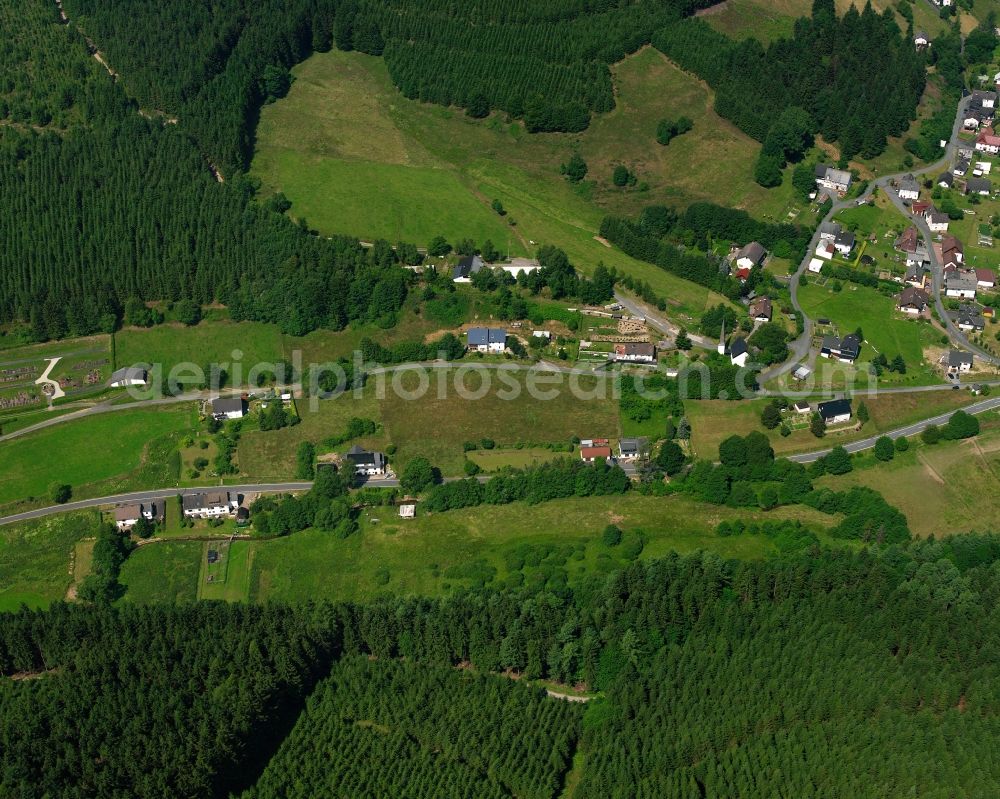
[722,337]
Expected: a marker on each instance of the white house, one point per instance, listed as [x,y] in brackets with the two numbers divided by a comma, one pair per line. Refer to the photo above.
[844,242]
[750,255]
[210,504]
[515,266]
[229,408]
[909,189]
[835,411]
[829,231]
[126,516]
[959,361]
[921,40]
[487,339]
[815,265]
[936,220]
[129,376]
[825,250]
[630,448]
[739,353]
[985,278]
[961,284]
[988,142]
[838,180]
[367,463]
[984,99]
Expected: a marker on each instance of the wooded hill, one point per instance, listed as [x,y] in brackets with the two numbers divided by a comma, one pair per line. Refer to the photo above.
[109,182]
[792,676]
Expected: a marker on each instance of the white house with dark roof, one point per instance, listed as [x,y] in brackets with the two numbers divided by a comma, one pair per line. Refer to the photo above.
[844,242]
[750,255]
[961,284]
[466,267]
[835,411]
[738,352]
[845,350]
[936,220]
[969,318]
[981,186]
[829,231]
[370,464]
[960,361]
[229,408]
[210,504]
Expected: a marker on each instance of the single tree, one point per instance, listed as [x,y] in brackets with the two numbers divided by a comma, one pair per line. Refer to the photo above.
[885,449]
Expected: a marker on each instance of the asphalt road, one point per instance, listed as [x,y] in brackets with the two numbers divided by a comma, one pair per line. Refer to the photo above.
[909,430]
[634,306]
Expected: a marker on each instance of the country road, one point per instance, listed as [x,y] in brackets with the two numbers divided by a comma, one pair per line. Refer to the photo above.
[991,403]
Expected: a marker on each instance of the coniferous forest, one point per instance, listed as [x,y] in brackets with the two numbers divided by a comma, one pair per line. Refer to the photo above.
[823,673]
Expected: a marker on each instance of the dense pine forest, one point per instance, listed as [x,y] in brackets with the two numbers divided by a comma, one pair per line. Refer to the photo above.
[794,676]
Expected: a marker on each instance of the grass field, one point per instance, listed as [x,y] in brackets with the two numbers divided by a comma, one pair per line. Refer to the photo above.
[88,454]
[886,330]
[436,553]
[712,421]
[490,460]
[437,428]
[953,487]
[230,575]
[35,559]
[349,150]
[162,573]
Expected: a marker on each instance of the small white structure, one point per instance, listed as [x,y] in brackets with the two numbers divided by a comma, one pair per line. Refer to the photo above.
[825,250]
[546,334]
[816,265]
[129,376]
[518,265]
[407,510]
[801,372]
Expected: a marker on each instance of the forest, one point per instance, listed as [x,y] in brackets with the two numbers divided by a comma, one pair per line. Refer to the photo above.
[788,676]
[857,78]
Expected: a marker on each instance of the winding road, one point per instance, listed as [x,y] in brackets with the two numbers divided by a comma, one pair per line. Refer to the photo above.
[800,347]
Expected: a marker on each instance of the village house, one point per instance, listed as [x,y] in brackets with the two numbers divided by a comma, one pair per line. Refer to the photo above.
[968,318]
[920,207]
[910,242]
[466,267]
[981,186]
[487,339]
[209,504]
[815,265]
[635,352]
[838,180]
[984,99]
[802,407]
[750,255]
[229,408]
[936,220]
[826,250]
[844,242]
[126,516]
[988,142]
[760,309]
[835,411]
[921,40]
[366,463]
[961,284]
[909,189]
[913,301]
[594,454]
[959,361]
[738,352]
[985,278]
[829,231]
[916,276]
[630,448]
[946,180]
[845,350]
[961,167]
[952,253]
[129,376]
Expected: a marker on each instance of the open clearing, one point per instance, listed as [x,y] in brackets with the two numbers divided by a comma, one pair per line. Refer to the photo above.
[349,151]
[86,453]
[951,487]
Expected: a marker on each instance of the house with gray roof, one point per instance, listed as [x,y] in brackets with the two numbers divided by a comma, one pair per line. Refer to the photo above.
[959,361]
[969,318]
[961,284]
[466,267]
[750,255]
[909,189]
[366,463]
[980,186]
[229,408]
[487,339]
[838,180]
